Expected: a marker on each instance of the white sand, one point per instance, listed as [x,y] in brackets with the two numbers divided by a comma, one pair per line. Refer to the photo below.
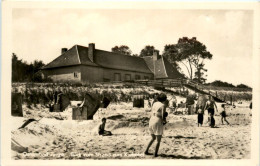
[182,138]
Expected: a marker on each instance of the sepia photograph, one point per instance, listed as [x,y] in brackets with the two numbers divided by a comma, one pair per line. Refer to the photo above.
[132,83]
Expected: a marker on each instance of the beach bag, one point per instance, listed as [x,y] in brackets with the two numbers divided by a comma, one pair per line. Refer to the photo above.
[165,114]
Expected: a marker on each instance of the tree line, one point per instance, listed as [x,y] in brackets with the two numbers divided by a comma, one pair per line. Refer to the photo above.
[189,52]
[219,83]
[24,72]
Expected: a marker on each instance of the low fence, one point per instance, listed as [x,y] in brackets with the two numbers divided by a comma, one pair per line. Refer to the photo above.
[165,83]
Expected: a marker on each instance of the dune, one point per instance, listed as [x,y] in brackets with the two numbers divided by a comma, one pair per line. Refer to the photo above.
[50,138]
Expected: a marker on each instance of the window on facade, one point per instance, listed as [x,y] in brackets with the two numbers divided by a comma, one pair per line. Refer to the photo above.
[117,77]
[75,75]
[106,80]
[137,77]
[127,77]
[146,77]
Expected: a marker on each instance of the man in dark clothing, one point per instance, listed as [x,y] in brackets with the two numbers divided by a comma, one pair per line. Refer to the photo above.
[189,103]
[211,111]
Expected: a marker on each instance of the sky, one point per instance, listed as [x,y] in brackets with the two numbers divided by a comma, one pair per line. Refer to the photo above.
[39,34]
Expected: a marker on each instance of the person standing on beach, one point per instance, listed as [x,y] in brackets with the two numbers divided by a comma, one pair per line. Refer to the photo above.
[200,116]
[189,103]
[156,122]
[210,104]
[223,114]
[155,98]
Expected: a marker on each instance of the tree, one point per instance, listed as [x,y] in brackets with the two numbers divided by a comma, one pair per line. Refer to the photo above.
[243,86]
[22,71]
[123,49]
[19,69]
[220,84]
[14,67]
[170,53]
[199,74]
[147,51]
[191,53]
[36,66]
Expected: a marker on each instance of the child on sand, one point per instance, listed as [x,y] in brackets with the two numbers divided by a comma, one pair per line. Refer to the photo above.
[101,129]
[223,114]
[200,116]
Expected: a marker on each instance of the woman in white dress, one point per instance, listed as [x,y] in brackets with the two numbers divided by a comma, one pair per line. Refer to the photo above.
[156,123]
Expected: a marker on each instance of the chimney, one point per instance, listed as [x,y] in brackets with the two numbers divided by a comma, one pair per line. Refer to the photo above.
[155,55]
[63,50]
[91,50]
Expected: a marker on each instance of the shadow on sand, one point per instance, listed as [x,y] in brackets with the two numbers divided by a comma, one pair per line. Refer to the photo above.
[179,137]
[183,157]
[215,127]
[115,117]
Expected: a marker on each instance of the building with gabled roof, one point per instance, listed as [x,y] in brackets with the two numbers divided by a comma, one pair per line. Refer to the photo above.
[88,64]
[161,67]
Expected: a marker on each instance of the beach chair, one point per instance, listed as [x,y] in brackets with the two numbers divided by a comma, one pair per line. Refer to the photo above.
[87,109]
[17,109]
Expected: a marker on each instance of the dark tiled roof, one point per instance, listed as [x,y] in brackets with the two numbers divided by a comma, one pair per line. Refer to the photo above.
[171,71]
[79,55]
[123,62]
[149,62]
[163,68]
[160,69]
[66,59]
[83,55]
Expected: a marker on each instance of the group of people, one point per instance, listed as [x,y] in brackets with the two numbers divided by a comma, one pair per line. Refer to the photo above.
[158,120]
[210,106]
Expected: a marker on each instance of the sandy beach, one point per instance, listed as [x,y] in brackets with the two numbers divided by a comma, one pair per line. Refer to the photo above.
[53,138]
